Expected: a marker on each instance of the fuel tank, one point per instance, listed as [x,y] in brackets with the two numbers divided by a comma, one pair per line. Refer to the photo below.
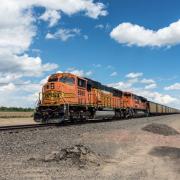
[104,114]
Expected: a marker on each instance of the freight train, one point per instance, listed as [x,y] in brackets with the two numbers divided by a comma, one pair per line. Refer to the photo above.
[68,97]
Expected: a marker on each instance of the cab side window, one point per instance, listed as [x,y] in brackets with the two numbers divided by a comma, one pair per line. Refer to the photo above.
[81,83]
[89,87]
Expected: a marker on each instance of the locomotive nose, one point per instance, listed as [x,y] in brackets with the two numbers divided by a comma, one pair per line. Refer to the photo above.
[49,86]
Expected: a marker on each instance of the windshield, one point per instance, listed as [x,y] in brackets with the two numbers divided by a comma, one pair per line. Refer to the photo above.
[53,79]
[67,80]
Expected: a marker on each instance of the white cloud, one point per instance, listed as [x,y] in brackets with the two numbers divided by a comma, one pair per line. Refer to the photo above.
[175,86]
[114,73]
[18,28]
[99,26]
[95,10]
[102,26]
[79,72]
[8,77]
[97,65]
[70,7]
[132,34]
[157,97]
[16,35]
[51,16]
[145,92]
[129,83]
[64,34]
[125,86]
[19,96]
[134,75]
[150,83]
[135,79]
[147,81]
[7,88]
[151,86]
[23,65]
[88,73]
[134,85]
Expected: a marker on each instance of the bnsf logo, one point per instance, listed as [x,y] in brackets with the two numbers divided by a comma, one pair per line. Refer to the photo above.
[50,95]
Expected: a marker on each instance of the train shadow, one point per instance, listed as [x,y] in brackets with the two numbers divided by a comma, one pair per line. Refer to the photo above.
[96,121]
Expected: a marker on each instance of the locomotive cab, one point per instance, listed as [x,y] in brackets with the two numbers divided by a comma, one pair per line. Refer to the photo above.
[61,94]
[60,89]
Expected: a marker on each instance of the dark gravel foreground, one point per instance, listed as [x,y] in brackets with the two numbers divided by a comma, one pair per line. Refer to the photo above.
[22,151]
[162,129]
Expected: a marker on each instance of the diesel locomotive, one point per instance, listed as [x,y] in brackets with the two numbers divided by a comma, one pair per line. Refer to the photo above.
[68,97]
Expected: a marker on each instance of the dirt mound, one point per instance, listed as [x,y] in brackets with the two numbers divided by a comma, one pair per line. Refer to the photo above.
[162,151]
[160,129]
[171,156]
[78,155]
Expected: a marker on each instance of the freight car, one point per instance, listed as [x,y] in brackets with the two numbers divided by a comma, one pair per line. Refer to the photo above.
[158,109]
[66,96]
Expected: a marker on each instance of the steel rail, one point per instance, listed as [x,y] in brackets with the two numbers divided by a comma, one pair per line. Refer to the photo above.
[26,126]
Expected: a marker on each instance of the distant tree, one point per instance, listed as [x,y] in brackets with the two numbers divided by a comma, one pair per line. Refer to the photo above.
[15,109]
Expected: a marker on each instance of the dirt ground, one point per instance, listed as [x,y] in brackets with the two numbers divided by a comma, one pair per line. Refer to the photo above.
[108,150]
[15,118]
[16,121]
[15,114]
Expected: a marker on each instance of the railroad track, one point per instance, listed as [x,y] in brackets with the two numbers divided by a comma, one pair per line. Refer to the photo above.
[68,123]
[32,126]
[28,126]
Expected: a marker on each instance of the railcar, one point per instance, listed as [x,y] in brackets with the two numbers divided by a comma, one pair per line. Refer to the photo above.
[68,97]
[158,109]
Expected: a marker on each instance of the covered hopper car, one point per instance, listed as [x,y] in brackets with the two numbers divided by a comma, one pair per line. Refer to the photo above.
[66,96]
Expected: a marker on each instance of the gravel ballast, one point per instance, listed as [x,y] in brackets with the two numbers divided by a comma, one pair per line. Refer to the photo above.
[52,153]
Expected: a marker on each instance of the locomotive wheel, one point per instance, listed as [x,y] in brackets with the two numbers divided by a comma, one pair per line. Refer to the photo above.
[83,118]
[72,120]
[126,114]
[118,115]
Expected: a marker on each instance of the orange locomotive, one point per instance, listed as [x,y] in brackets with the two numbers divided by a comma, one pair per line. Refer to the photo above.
[69,97]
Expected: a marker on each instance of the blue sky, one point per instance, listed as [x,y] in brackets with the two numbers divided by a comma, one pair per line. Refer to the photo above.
[130,45]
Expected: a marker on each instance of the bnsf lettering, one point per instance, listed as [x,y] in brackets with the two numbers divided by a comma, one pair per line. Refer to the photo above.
[58,95]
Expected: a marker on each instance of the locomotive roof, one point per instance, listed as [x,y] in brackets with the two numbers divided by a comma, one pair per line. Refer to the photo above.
[96,84]
[140,97]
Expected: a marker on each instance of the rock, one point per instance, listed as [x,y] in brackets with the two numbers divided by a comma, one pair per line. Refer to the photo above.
[54,156]
[32,159]
[84,150]
[77,155]
[74,149]
[92,158]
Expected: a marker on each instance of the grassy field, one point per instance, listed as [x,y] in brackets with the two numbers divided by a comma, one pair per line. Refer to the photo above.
[16,114]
